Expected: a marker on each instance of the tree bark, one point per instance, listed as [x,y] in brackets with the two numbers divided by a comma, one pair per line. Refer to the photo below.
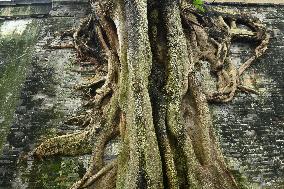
[153,97]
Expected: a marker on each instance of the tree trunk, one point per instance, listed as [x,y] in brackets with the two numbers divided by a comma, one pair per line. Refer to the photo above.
[153,97]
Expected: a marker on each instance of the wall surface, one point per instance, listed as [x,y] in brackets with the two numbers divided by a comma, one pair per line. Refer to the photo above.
[248,1]
[37,93]
[24,2]
[251,128]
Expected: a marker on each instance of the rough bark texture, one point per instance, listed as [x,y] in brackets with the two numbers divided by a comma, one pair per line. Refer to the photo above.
[152,96]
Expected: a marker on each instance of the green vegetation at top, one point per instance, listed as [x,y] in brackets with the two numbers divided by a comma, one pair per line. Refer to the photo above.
[199,5]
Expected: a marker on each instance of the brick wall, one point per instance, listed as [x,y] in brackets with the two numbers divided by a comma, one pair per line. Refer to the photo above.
[24,2]
[252,126]
[248,1]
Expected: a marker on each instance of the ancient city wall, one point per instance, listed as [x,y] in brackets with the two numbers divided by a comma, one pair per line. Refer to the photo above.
[251,128]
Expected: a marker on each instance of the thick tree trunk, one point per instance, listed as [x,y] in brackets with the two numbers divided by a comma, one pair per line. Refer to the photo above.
[153,97]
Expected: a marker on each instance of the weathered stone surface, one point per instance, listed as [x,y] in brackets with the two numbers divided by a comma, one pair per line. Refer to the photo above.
[71,1]
[248,1]
[16,36]
[252,126]
[61,9]
[46,96]
[43,8]
[24,11]
[24,2]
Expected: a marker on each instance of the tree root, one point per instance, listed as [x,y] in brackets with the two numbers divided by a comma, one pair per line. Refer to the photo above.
[228,80]
[61,46]
[102,172]
[66,33]
[94,85]
[257,53]
[157,152]
[101,94]
[70,145]
[81,120]
[107,133]
[248,90]
[90,179]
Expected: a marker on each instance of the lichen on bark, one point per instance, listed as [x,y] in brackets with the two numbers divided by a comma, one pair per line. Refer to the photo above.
[152,96]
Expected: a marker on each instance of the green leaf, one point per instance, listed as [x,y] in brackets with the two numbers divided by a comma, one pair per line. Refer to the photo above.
[198,4]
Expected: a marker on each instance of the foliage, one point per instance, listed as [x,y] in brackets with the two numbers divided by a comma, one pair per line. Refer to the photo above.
[199,5]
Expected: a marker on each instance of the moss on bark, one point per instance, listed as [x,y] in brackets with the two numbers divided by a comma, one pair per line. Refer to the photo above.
[153,97]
